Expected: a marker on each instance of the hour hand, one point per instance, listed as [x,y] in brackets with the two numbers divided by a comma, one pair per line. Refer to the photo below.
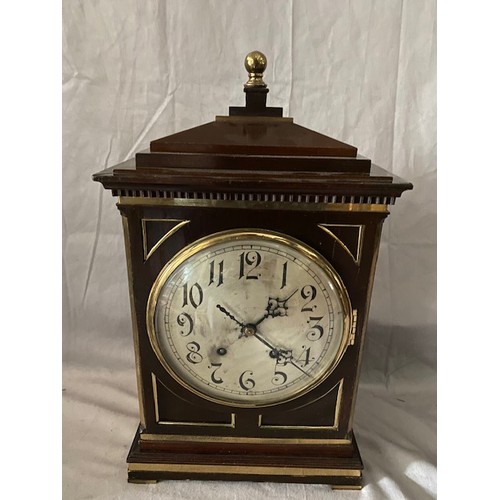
[229,315]
[277,307]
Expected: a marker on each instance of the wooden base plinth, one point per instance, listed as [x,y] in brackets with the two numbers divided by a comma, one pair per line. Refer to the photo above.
[152,465]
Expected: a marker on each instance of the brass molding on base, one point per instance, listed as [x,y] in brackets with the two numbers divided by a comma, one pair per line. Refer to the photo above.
[242,469]
[243,440]
[331,468]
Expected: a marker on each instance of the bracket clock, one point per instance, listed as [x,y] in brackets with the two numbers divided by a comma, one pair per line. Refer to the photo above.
[251,247]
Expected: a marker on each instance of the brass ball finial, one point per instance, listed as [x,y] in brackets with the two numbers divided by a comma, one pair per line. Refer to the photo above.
[255,64]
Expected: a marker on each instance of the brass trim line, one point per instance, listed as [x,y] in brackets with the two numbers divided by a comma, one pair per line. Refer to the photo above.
[242,469]
[333,427]
[154,380]
[155,396]
[242,440]
[362,334]
[147,254]
[266,205]
[338,404]
[135,332]
[361,233]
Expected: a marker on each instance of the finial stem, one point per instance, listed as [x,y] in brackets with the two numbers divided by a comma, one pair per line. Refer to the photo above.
[255,89]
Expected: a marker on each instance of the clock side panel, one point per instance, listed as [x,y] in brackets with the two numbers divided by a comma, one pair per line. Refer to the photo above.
[348,240]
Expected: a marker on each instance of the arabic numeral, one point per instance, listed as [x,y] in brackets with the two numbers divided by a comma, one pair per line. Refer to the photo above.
[279,378]
[283,277]
[246,383]
[308,293]
[185,319]
[305,357]
[316,331]
[220,277]
[252,259]
[193,356]
[215,379]
[193,295]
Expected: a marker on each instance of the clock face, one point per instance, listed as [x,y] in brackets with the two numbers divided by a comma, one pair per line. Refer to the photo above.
[249,318]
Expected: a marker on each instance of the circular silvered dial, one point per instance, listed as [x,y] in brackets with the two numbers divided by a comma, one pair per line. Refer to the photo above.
[249,318]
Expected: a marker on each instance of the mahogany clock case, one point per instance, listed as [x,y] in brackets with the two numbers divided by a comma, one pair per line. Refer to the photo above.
[323,413]
[338,214]
[251,170]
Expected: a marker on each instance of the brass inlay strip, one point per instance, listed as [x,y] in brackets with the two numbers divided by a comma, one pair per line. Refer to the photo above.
[242,440]
[242,469]
[155,396]
[361,230]
[338,404]
[361,334]
[167,235]
[266,205]
[135,333]
[231,424]
[332,427]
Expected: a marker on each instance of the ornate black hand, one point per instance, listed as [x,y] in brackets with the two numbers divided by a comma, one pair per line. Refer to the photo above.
[275,308]
[245,329]
[277,352]
[229,315]
[250,330]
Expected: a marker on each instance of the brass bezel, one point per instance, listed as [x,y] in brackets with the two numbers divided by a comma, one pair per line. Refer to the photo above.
[235,235]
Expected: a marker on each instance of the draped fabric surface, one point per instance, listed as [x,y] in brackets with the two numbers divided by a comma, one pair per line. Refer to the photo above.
[362,71]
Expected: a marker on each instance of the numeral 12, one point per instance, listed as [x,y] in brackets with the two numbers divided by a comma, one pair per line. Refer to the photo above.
[252,259]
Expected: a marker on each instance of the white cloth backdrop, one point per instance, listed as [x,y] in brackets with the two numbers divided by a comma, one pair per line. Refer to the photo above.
[363,71]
